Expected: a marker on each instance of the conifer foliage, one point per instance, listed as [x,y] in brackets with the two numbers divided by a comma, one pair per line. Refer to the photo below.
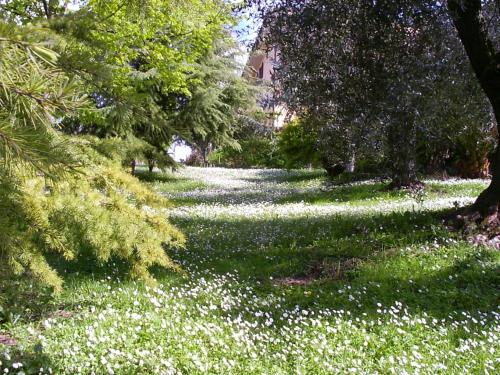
[63,194]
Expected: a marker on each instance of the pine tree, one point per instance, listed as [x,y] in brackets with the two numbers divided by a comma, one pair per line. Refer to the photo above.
[59,194]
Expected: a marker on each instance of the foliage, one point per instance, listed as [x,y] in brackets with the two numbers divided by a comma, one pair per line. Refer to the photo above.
[100,212]
[222,101]
[458,131]
[138,61]
[131,149]
[377,77]
[143,89]
[59,195]
[135,61]
[254,151]
[34,92]
[298,143]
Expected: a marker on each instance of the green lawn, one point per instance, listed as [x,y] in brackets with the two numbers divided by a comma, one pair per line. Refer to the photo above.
[282,276]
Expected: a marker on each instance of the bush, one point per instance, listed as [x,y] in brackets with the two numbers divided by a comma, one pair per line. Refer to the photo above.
[256,151]
[298,144]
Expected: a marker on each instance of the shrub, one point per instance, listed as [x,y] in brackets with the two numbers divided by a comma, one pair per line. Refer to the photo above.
[298,144]
[256,151]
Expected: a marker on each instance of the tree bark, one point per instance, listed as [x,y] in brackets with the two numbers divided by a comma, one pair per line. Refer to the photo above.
[488,202]
[132,166]
[351,163]
[151,165]
[473,32]
[332,170]
[46,9]
[402,143]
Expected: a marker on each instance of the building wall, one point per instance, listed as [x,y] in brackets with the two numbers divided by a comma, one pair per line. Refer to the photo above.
[260,66]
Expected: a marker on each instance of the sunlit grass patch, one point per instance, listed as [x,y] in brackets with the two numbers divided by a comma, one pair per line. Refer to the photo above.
[456,187]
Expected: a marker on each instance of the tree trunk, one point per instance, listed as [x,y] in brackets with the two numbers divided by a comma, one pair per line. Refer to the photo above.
[132,166]
[204,151]
[332,170]
[47,8]
[351,164]
[151,165]
[473,32]
[488,202]
[402,142]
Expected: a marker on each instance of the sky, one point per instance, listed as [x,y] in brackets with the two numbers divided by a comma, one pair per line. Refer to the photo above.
[248,27]
[246,32]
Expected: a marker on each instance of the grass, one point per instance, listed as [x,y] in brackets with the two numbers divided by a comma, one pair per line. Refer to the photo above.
[168,182]
[282,277]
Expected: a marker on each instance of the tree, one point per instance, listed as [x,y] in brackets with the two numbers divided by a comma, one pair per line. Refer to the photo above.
[137,60]
[323,69]
[220,103]
[481,43]
[370,62]
[34,91]
[58,194]
[370,71]
[457,131]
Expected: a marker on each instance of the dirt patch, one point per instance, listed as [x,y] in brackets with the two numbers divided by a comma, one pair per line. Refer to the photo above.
[334,268]
[61,314]
[6,339]
[325,269]
[293,281]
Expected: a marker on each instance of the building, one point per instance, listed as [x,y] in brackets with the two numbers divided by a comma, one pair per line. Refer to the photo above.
[260,67]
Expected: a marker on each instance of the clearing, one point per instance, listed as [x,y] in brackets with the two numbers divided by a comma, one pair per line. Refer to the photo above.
[283,277]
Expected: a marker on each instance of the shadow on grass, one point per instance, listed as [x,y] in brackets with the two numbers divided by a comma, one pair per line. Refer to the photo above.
[362,194]
[32,359]
[398,261]
[147,176]
[403,256]
[365,193]
[169,183]
[286,176]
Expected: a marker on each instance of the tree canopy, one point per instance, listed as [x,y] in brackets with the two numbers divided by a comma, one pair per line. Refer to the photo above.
[85,91]
[388,77]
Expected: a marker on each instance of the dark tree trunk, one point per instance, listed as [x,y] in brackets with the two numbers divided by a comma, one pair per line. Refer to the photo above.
[151,165]
[488,202]
[132,166]
[472,30]
[203,152]
[204,149]
[351,163]
[402,144]
[47,9]
[332,170]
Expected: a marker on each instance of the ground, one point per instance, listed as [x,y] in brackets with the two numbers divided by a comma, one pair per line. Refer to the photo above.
[283,276]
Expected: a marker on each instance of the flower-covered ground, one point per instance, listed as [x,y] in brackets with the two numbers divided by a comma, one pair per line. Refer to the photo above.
[283,276]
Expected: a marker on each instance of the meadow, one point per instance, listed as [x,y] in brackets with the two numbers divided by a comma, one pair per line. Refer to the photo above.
[282,274]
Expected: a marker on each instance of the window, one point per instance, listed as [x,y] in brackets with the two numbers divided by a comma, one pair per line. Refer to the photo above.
[261,71]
